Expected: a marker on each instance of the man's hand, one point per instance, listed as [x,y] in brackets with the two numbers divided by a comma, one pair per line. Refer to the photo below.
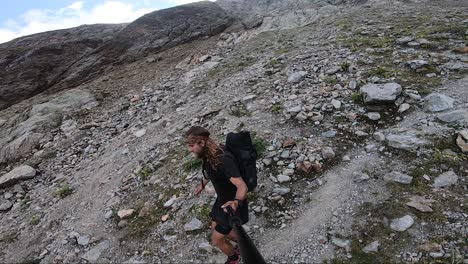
[233,204]
[199,189]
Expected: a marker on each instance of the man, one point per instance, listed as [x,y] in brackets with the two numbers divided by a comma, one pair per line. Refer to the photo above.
[222,170]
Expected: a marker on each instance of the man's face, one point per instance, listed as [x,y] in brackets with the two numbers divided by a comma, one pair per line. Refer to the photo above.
[196,148]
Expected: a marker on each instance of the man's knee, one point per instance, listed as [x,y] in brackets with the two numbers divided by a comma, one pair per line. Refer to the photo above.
[217,239]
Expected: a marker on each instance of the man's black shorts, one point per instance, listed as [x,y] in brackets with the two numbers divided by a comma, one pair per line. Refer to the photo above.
[222,219]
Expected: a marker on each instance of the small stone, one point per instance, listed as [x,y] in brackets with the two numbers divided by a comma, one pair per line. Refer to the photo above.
[281,191]
[93,255]
[329,134]
[462,141]
[371,148]
[140,133]
[399,177]
[165,217]
[296,77]
[346,158]
[446,179]
[402,224]
[146,210]
[372,247]
[342,243]
[285,154]
[328,153]
[457,116]
[336,104]
[416,64]
[108,214]
[379,136]
[205,246]
[352,85]
[193,225]
[170,202]
[333,70]
[421,203]
[294,109]
[283,178]
[5,206]
[360,177]
[373,116]
[375,93]
[126,213]
[403,108]
[83,240]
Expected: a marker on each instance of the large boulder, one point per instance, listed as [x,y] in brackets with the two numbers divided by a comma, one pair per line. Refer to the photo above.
[69,101]
[20,147]
[436,102]
[376,93]
[457,116]
[17,174]
[406,140]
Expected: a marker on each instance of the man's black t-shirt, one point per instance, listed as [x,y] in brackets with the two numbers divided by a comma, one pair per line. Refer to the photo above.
[220,178]
[225,190]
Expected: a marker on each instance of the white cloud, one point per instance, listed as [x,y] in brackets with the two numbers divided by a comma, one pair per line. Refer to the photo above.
[40,20]
[182,2]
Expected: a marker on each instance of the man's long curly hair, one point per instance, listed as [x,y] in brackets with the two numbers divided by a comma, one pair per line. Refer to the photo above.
[211,151]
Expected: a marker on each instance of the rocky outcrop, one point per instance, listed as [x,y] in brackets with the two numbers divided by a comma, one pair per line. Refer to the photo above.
[32,64]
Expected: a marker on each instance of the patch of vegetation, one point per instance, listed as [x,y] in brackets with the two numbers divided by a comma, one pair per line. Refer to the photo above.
[344,66]
[372,42]
[202,212]
[138,227]
[343,24]
[192,164]
[331,80]
[277,108]
[273,62]
[260,145]
[357,97]
[145,172]
[383,72]
[64,191]
[34,220]
[235,65]
[239,110]
[8,237]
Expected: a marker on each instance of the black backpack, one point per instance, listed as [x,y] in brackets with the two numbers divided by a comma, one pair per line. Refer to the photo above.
[240,145]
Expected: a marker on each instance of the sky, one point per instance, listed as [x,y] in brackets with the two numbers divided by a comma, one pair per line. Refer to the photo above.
[25,17]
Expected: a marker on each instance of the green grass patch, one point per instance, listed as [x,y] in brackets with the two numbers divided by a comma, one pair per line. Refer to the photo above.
[64,191]
[277,108]
[34,220]
[144,173]
[260,145]
[8,237]
[192,164]
[357,97]
[330,80]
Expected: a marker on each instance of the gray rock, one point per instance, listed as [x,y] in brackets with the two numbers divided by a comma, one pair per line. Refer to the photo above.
[446,179]
[342,243]
[403,108]
[283,178]
[20,147]
[108,214]
[408,141]
[360,177]
[372,247]
[296,77]
[375,93]
[455,66]
[193,225]
[416,64]
[170,202]
[301,116]
[402,224]
[352,85]
[456,116]
[69,101]
[284,154]
[333,70]
[438,102]
[404,40]
[139,133]
[371,148]
[21,173]
[281,191]
[399,177]
[83,240]
[336,104]
[379,136]
[328,153]
[5,206]
[205,246]
[329,134]
[94,254]
[373,116]
[294,109]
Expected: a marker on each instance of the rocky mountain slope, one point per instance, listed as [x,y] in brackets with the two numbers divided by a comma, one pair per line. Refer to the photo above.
[359,111]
